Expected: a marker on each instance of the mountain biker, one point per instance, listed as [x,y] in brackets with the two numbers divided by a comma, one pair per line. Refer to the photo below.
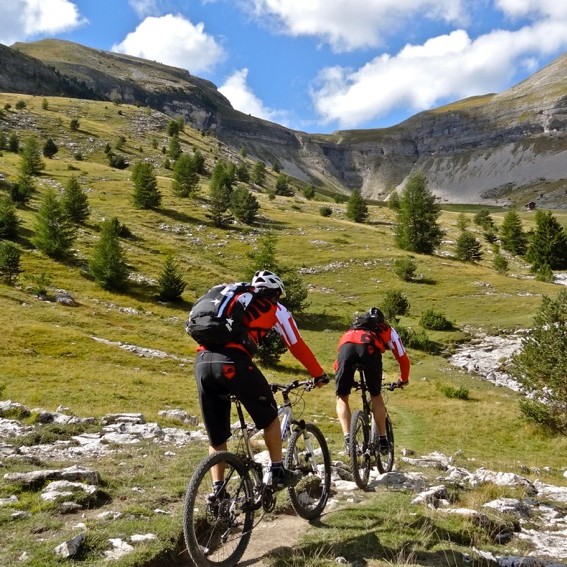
[229,369]
[364,342]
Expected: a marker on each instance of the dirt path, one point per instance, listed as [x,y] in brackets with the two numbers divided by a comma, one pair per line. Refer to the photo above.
[273,535]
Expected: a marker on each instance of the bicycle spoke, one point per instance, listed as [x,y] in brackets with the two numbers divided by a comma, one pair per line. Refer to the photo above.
[217,525]
[386,462]
[308,452]
[360,458]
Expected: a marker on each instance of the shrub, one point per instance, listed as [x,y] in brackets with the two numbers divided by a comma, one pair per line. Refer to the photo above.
[395,304]
[434,321]
[405,268]
[417,340]
[325,211]
[500,264]
[460,393]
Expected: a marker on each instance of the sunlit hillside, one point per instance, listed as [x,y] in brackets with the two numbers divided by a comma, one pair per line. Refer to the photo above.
[88,357]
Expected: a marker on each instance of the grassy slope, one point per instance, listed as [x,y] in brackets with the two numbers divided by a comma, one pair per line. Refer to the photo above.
[48,355]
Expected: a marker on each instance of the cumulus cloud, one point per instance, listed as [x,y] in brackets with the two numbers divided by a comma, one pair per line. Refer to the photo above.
[173,40]
[444,68]
[351,24]
[24,19]
[241,96]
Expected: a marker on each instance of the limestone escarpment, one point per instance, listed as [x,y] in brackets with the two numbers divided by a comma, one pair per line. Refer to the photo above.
[494,149]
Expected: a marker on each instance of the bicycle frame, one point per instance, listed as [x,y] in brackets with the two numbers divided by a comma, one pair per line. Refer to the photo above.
[364,443]
[248,431]
[217,526]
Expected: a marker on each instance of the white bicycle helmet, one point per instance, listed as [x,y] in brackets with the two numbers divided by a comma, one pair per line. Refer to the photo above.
[264,279]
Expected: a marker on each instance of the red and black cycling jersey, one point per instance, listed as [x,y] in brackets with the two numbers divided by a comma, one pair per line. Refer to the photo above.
[386,338]
[262,315]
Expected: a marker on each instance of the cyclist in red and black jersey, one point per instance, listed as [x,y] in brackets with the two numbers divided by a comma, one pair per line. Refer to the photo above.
[229,369]
[363,343]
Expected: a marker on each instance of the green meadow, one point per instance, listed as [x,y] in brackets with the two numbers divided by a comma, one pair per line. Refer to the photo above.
[52,354]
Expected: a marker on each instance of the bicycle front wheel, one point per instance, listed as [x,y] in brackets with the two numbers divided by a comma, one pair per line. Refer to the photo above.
[385,462]
[217,525]
[307,451]
[359,449]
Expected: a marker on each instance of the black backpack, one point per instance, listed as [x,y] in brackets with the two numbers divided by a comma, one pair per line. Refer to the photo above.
[218,317]
[369,323]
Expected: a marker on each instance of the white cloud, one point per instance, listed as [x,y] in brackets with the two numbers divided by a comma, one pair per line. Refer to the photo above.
[533,8]
[241,96]
[351,24]
[144,7]
[443,68]
[22,19]
[175,41]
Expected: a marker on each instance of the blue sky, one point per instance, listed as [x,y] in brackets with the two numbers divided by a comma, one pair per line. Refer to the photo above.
[317,65]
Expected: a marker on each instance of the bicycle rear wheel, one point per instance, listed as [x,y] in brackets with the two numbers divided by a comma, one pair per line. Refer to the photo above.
[217,526]
[308,452]
[360,461]
[385,463]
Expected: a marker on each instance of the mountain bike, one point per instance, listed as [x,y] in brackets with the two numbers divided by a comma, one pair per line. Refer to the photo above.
[364,444]
[217,526]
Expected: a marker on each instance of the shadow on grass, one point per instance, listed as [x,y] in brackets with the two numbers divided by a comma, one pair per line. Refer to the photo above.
[321,321]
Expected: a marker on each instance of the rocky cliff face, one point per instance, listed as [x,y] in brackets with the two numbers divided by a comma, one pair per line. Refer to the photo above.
[508,148]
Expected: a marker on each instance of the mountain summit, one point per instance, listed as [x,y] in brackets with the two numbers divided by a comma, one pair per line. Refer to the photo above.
[505,149]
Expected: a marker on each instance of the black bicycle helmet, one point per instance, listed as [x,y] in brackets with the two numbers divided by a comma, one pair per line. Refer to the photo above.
[370,320]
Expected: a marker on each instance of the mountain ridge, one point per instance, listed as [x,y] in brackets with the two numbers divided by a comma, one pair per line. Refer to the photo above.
[497,149]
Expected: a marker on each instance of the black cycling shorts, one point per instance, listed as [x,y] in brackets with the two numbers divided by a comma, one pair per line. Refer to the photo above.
[351,354]
[224,371]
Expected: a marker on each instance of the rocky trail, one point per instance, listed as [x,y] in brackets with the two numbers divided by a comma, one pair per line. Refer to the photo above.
[540,517]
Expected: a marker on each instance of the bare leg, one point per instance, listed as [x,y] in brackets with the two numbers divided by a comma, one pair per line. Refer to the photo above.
[217,471]
[379,411]
[343,413]
[272,437]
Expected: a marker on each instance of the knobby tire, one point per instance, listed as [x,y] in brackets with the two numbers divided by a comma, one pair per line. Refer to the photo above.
[217,531]
[385,463]
[360,459]
[308,452]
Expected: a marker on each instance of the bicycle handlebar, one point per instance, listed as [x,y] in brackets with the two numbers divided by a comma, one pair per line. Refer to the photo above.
[286,388]
[391,386]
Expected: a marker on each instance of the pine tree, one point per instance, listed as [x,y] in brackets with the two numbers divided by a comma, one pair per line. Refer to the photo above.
[220,190]
[9,221]
[54,231]
[283,187]
[512,236]
[244,205]
[541,365]
[108,264]
[174,148]
[185,178]
[468,248]
[417,229]
[146,192]
[50,148]
[22,190]
[75,201]
[484,220]
[170,282]
[357,210]
[31,162]
[9,261]
[548,244]
[259,173]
